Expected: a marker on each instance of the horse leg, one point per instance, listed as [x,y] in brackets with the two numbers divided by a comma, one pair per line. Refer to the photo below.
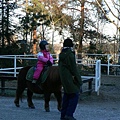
[47,99]
[58,96]
[29,99]
[19,92]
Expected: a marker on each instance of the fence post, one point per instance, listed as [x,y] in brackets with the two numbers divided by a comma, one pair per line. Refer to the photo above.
[15,66]
[97,76]
[108,65]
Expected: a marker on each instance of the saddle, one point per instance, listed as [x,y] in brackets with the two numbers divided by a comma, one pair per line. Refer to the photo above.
[43,76]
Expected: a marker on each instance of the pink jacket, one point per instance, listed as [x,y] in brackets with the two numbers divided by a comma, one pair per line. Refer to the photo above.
[43,57]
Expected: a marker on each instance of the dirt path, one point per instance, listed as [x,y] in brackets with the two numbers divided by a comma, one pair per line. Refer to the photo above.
[106,106]
[86,110]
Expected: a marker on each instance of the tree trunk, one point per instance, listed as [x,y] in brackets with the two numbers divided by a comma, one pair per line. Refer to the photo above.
[81,28]
[34,41]
[7,27]
[3,32]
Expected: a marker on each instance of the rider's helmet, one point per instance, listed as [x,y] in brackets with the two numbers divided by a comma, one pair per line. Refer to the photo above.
[42,44]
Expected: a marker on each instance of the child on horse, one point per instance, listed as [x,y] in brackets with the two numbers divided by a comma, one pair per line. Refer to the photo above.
[44,58]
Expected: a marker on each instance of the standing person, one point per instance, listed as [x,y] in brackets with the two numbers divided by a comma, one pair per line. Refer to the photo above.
[44,58]
[71,80]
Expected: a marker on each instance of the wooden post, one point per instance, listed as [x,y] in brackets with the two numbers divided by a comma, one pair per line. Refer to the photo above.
[34,41]
[3,87]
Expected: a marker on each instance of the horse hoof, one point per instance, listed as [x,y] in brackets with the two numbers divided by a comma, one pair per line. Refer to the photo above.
[17,105]
[47,109]
[31,106]
[59,109]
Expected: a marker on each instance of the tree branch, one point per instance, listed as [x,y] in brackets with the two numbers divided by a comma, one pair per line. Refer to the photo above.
[115,4]
[106,15]
[111,10]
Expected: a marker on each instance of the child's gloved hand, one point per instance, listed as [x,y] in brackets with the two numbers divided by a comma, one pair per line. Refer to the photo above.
[49,63]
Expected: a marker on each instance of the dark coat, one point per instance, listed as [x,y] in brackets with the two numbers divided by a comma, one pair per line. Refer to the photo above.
[70,76]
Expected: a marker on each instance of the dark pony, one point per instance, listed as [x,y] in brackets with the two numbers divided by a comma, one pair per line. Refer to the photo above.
[51,85]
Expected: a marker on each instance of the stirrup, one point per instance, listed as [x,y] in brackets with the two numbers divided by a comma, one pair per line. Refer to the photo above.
[34,81]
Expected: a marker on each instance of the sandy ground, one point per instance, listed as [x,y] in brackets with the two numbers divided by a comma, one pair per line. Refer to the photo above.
[106,106]
[87,109]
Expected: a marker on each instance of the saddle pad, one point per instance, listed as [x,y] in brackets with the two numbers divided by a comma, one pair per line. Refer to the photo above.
[43,76]
[30,73]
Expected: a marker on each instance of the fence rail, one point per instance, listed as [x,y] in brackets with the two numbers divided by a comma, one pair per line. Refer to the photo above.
[111,62]
[14,70]
[111,68]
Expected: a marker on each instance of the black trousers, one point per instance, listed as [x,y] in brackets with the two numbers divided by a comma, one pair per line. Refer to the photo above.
[69,104]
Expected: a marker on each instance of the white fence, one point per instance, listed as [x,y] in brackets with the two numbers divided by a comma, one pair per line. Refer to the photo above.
[97,63]
[98,76]
[112,66]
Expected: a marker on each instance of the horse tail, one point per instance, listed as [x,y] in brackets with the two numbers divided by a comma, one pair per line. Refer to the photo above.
[21,81]
[22,75]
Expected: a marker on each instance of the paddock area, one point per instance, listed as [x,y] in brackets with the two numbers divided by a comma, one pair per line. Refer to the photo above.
[105,106]
[87,109]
